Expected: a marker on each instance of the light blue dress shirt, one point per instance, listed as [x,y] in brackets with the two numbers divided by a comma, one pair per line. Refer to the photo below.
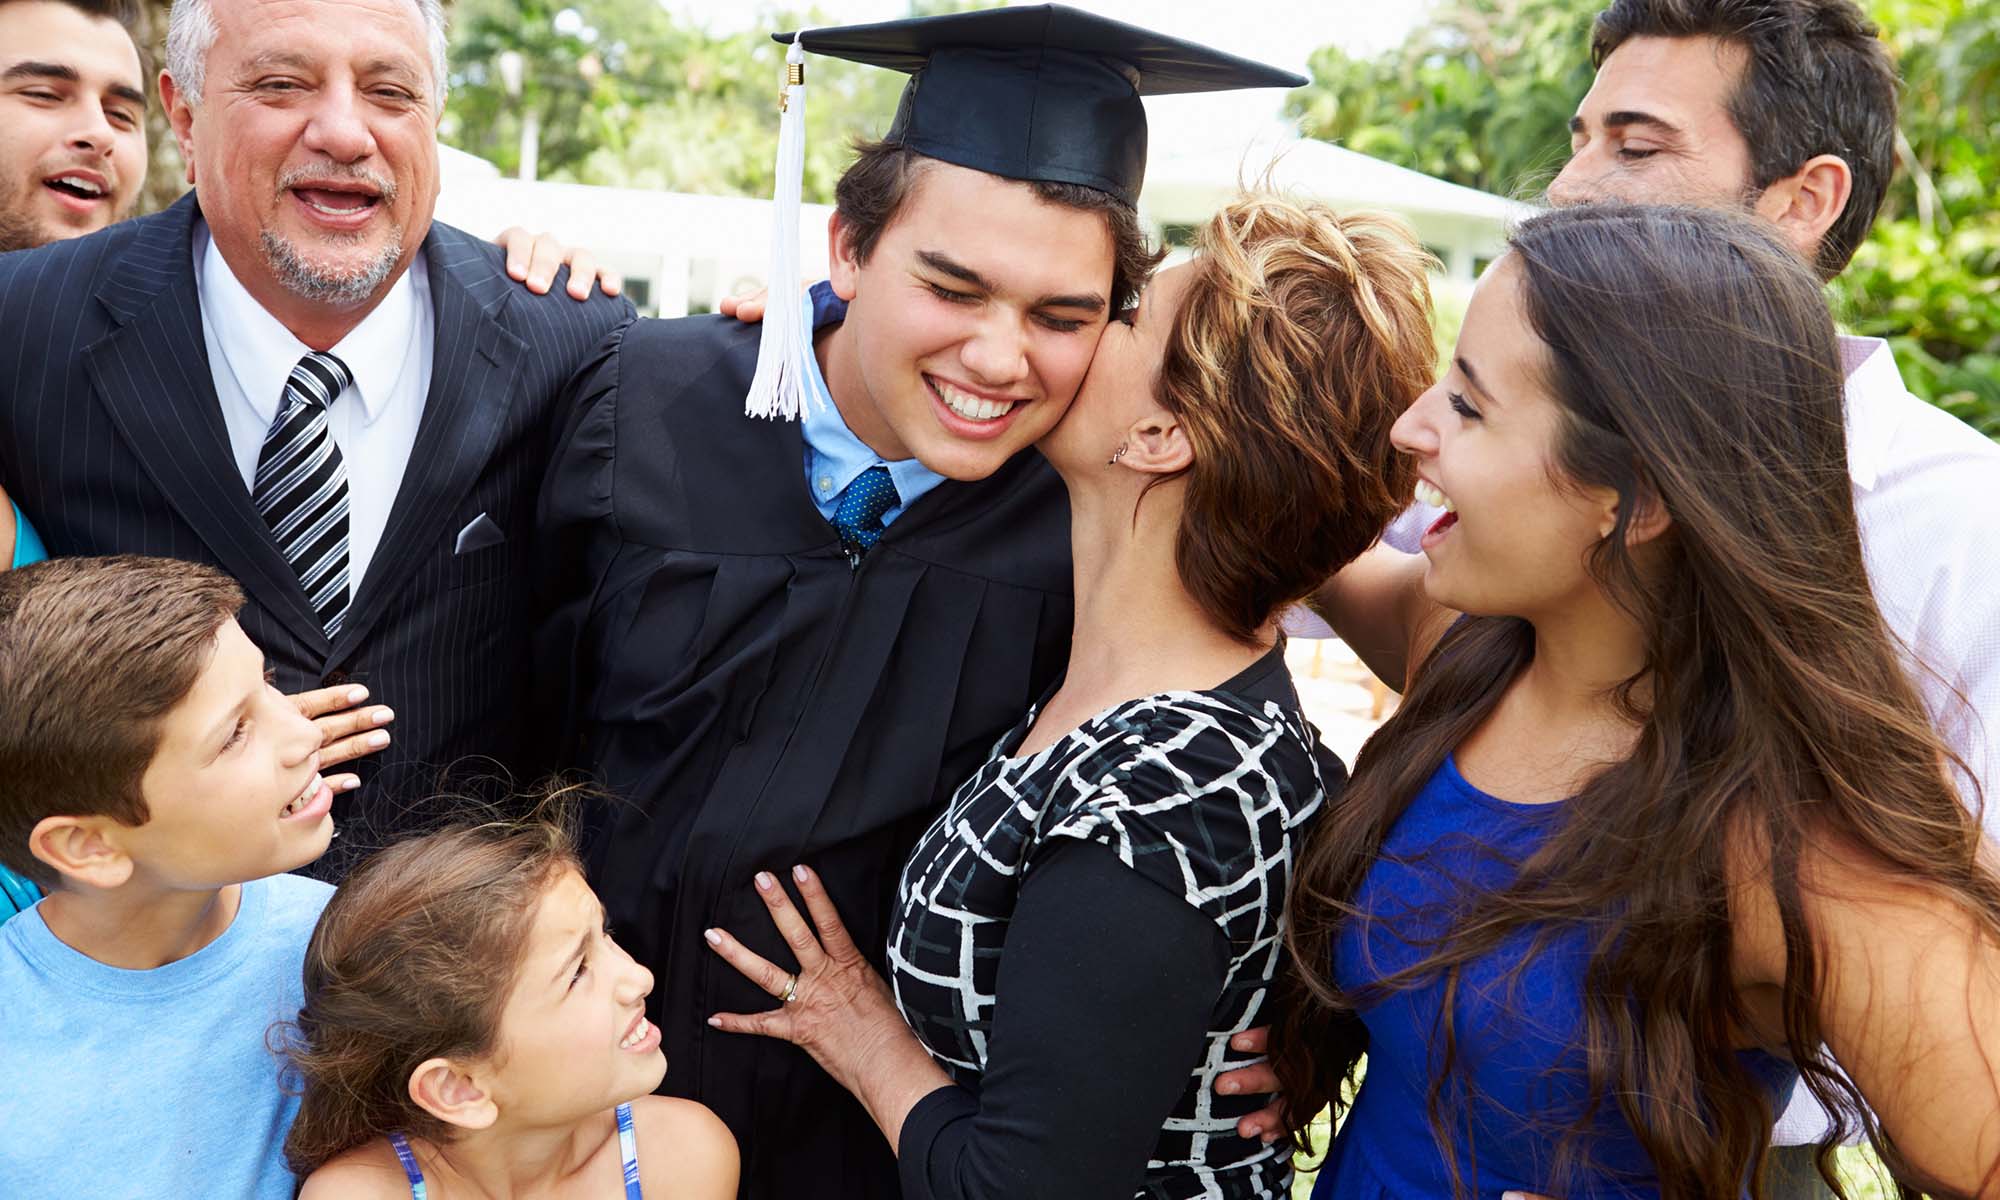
[835,458]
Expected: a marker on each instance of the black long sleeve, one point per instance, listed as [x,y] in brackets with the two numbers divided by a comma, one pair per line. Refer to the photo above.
[1104,994]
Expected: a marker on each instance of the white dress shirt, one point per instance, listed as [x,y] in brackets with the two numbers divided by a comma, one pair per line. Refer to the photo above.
[1926,497]
[374,421]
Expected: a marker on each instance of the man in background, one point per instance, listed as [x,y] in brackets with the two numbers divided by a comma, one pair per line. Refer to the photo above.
[72,119]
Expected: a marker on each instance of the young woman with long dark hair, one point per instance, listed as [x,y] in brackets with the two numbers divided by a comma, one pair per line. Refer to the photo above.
[1661,825]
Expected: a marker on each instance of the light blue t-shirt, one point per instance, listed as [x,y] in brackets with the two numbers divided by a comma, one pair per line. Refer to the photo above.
[118,1083]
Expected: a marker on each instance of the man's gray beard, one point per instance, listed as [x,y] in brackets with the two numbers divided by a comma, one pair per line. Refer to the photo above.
[308,282]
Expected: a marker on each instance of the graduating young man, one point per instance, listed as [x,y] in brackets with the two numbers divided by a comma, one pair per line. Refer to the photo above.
[787,642]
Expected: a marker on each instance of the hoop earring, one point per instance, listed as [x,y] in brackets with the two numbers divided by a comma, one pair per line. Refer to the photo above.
[1116,455]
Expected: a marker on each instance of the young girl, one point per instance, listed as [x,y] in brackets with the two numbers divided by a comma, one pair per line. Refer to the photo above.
[470,1030]
[1661,825]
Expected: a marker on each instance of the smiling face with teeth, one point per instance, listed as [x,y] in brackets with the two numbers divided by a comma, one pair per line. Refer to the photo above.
[573,1038]
[971,323]
[313,150]
[72,123]
[233,792]
[1515,538]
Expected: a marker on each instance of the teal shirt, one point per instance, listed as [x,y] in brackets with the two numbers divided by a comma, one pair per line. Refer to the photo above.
[16,893]
[27,543]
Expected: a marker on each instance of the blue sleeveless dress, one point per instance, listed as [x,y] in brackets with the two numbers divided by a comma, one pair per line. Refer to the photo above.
[16,893]
[1515,1051]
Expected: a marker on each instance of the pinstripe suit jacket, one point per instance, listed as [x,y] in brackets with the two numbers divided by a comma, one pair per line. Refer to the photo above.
[112,441]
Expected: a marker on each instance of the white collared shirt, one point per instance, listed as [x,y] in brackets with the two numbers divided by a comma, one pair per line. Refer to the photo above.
[1927,497]
[374,421]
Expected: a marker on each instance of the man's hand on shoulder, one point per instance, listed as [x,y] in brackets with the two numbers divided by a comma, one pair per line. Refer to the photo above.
[747,308]
[533,260]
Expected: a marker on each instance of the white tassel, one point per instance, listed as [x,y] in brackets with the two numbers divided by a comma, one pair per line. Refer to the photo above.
[779,388]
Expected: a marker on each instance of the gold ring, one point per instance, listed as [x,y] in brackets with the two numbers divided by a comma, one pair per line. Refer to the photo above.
[791,988]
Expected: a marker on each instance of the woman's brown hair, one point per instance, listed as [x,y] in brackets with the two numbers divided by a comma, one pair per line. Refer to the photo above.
[413,959]
[1695,367]
[1300,339]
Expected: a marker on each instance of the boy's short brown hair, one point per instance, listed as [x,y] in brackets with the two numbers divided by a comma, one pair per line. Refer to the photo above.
[93,653]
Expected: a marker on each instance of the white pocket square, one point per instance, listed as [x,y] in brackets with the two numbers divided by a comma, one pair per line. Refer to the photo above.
[479,534]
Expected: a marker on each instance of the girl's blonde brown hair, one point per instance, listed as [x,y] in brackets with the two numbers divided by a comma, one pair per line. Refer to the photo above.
[413,959]
[1302,337]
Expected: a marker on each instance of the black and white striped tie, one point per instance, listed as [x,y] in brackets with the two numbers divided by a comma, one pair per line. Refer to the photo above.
[301,486]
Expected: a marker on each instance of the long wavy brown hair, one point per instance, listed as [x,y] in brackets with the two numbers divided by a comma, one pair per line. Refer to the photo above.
[1695,366]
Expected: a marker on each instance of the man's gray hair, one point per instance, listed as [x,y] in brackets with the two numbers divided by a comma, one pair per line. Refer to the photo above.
[191,32]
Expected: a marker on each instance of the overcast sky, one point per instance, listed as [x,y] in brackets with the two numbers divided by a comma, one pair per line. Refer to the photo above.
[1280,32]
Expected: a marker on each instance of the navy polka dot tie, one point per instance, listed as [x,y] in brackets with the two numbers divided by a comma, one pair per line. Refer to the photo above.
[859,517]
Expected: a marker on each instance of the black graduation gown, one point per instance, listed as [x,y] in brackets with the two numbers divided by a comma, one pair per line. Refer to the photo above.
[753,699]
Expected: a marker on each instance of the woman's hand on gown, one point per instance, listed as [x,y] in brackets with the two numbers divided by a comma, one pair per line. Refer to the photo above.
[841,1012]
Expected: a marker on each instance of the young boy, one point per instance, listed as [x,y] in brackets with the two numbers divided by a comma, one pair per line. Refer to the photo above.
[157,786]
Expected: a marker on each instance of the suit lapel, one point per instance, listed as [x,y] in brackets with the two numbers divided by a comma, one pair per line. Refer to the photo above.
[473,367]
[152,373]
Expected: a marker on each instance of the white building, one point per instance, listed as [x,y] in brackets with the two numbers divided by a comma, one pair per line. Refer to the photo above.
[682,253]
[679,253]
[1464,227]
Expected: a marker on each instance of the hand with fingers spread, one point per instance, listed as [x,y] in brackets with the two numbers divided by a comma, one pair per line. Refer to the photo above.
[835,1006]
[1268,1122]
[349,728]
[533,259]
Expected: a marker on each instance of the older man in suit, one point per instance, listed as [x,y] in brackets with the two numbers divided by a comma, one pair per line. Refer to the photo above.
[296,375]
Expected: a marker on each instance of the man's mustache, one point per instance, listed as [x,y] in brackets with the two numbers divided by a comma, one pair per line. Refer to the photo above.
[331,172]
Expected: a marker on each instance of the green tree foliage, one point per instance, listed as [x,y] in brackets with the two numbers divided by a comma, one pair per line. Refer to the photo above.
[1482,94]
[627,95]
[1928,278]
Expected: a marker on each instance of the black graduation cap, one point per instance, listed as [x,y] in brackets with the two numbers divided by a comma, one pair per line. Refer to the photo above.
[1036,92]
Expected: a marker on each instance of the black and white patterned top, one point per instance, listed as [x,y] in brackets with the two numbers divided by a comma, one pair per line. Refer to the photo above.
[1205,794]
